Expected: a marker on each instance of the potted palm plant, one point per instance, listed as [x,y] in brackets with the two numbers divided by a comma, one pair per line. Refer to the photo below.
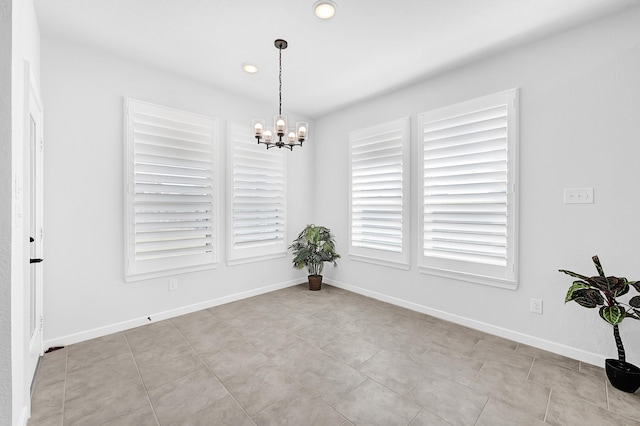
[314,246]
[604,292]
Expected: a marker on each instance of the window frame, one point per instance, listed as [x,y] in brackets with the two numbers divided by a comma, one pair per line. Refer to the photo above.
[241,137]
[493,275]
[400,260]
[136,270]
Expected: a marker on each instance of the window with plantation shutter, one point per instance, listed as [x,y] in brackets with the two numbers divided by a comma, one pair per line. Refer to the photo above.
[470,199]
[379,196]
[171,191]
[256,204]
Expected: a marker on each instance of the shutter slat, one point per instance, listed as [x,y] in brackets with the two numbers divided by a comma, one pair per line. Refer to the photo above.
[172,186]
[465,186]
[258,184]
[377,192]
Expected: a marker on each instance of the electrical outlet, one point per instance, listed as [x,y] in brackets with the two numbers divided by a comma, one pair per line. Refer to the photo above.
[173,284]
[536,306]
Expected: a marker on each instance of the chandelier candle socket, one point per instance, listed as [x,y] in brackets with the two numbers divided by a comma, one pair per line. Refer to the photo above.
[280,135]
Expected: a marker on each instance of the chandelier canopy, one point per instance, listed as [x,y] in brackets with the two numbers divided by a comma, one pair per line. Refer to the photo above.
[280,135]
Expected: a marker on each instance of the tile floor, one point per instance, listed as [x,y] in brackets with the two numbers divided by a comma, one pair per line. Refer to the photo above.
[295,357]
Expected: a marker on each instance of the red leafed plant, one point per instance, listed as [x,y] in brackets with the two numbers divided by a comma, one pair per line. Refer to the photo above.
[604,291]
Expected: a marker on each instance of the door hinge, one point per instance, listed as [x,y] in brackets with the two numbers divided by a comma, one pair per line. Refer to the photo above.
[41,234]
[41,322]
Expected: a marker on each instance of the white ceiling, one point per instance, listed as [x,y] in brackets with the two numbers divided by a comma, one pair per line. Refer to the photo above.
[370,46]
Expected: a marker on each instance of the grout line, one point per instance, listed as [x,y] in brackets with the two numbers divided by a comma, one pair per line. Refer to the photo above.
[146,390]
[64,389]
[530,368]
[484,407]
[546,411]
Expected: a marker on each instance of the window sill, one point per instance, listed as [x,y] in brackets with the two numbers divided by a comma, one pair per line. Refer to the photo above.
[382,262]
[472,278]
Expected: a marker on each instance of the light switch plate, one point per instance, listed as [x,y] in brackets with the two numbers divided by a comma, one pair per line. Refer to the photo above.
[578,196]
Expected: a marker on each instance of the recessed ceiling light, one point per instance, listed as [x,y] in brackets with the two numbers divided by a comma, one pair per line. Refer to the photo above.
[250,68]
[324,9]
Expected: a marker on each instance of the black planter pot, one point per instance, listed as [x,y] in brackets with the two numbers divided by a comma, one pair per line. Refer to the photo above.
[622,375]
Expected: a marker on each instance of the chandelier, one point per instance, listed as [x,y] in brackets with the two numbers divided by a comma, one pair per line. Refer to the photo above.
[280,135]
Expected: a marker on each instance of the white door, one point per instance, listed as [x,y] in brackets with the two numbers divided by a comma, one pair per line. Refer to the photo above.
[33,293]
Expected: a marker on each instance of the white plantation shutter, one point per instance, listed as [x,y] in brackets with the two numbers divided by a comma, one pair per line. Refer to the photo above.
[379,196]
[469,221]
[171,194]
[256,208]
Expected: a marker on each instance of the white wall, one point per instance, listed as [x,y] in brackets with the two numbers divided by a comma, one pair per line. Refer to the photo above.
[85,292]
[579,127]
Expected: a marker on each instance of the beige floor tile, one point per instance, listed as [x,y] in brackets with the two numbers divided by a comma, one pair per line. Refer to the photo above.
[624,403]
[48,399]
[373,404]
[296,355]
[53,367]
[235,360]
[318,333]
[329,379]
[502,358]
[99,404]
[83,381]
[224,412]
[154,340]
[566,410]
[215,340]
[593,370]
[53,420]
[427,418]
[143,416]
[230,310]
[496,413]
[457,339]
[270,337]
[198,324]
[409,326]
[351,349]
[296,321]
[395,370]
[302,408]
[262,387]
[156,371]
[185,396]
[459,367]
[529,397]
[90,351]
[571,382]
[550,357]
[497,340]
[450,400]
[396,341]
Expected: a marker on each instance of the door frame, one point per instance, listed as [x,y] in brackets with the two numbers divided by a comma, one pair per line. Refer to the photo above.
[33,172]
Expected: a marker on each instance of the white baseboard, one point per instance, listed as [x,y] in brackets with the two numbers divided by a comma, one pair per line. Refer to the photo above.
[568,351]
[159,316]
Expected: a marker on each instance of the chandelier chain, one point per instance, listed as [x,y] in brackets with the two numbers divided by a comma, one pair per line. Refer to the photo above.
[280,80]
